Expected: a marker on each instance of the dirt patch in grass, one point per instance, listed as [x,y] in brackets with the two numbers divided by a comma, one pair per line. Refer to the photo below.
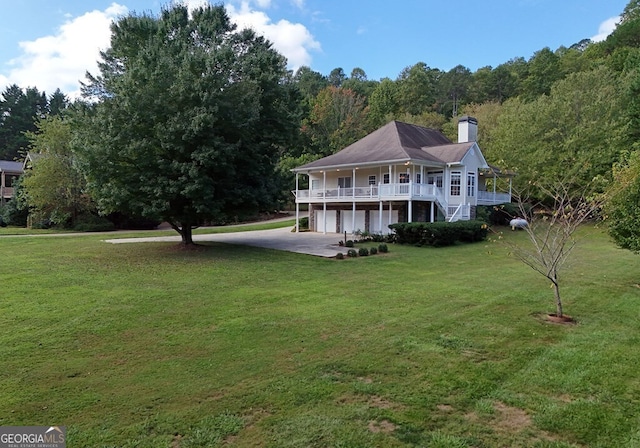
[510,419]
[445,407]
[384,426]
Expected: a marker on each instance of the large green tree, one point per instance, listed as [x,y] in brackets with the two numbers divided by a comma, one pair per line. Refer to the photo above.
[19,111]
[190,119]
[578,130]
[54,187]
[623,205]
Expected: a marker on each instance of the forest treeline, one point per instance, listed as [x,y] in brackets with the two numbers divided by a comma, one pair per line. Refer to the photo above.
[572,112]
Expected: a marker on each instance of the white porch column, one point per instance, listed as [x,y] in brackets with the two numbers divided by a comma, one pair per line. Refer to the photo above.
[297,207]
[324,201]
[353,204]
[432,211]
[380,217]
[410,211]
[390,212]
[353,217]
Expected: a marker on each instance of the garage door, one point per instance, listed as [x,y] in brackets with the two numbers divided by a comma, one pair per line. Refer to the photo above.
[327,225]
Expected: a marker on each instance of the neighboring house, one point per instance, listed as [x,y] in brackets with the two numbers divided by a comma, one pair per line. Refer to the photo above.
[9,172]
[399,173]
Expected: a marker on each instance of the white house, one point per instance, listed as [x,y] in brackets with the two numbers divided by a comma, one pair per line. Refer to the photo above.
[399,173]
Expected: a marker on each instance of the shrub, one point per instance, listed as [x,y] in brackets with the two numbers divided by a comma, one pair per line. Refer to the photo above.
[303,223]
[439,234]
[352,253]
[339,256]
[93,223]
[383,249]
[363,252]
[349,243]
[373,251]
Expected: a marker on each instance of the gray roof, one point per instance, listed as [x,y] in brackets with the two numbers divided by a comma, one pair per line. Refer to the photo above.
[10,167]
[395,142]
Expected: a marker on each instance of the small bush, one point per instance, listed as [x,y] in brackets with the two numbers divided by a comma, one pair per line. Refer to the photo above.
[339,256]
[303,223]
[382,248]
[363,252]
[349,243]
[373,251]
[352,253]
[340,243]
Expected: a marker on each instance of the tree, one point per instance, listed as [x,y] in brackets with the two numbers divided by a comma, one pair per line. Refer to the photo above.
[54,187]
[190,119]
[337,77]
[454,86]
[417,88]
[623,205]
[337,119]
[19,111]
[551,230]
[579,130]
[383,103]
[544,71]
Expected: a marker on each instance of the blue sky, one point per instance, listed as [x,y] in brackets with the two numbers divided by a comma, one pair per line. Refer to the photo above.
[51,43]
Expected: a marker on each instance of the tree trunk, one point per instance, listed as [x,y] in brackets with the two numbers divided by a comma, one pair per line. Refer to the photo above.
[185,231]
[556,291]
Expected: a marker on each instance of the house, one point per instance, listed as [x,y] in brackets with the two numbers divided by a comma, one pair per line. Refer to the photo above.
[399,173]
[9,172]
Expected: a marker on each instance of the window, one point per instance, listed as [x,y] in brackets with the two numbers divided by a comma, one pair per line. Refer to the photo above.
[418,178]
[456,179]
[372,180]
[315,184]
[403,178]
[435,178]
[344,182]
[385,178]
[471,184]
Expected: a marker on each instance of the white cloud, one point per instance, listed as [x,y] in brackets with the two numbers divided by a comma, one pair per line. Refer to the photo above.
[61,60]
[293,40]
[606,28]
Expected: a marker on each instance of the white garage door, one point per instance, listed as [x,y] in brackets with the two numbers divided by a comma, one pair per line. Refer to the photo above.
[347,223]
[374,225]
[326,225]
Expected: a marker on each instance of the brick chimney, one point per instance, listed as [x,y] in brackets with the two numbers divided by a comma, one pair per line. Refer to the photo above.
[467,129]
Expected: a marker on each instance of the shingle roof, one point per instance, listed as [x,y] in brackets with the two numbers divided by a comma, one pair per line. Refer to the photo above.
[395,142]
[12,167]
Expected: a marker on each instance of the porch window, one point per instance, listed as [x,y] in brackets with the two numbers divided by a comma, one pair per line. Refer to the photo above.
[404,178]
[456,179]
[435,178]
[385,178]
[315,184]
[372,180]
[418,178]
[471,184]
[344,182]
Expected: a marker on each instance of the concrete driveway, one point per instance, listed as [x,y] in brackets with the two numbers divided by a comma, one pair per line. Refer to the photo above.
[309,243]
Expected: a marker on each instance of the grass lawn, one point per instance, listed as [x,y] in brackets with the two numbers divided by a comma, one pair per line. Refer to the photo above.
[144,345]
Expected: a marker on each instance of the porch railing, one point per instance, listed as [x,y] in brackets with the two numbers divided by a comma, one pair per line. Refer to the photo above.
[393,191]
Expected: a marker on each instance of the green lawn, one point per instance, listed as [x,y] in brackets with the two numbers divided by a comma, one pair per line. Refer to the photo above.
[145,345]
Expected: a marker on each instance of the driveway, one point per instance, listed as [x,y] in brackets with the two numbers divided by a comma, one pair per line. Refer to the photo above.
[309,243]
